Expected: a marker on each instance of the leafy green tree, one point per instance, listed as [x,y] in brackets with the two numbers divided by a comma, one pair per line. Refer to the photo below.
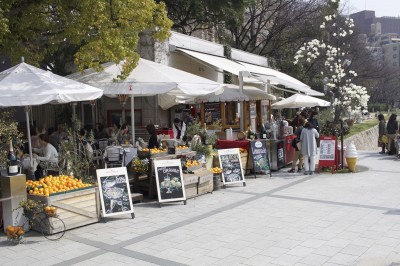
[52,33]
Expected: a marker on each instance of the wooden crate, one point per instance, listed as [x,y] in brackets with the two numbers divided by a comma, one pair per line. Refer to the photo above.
[75,208]
[191,181]
[206,184]
[182,151]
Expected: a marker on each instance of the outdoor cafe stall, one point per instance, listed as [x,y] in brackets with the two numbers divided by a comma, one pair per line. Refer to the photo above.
[25,85]
[282,133]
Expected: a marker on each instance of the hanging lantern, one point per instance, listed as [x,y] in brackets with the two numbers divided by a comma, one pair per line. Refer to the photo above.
[122,99]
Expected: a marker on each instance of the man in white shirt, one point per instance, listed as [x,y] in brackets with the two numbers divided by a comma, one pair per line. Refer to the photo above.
[179,129]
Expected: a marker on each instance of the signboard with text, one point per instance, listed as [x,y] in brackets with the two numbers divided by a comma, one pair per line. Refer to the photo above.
[327,152]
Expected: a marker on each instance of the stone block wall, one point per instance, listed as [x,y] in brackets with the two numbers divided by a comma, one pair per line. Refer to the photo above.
[366,140]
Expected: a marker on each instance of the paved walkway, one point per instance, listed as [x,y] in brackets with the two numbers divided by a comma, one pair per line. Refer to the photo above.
[289,219]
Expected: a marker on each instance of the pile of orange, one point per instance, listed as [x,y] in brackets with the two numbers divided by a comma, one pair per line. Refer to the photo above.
[242,150]
[50,210]
[54,184]
[154,150]
[14,232]
[182,147]
[216,170]
[190,163]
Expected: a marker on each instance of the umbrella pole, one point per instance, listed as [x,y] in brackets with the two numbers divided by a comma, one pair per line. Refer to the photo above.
[28,130]
[133,118]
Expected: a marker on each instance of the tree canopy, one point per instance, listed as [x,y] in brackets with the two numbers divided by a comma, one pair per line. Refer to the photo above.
[56,33]
[192,15]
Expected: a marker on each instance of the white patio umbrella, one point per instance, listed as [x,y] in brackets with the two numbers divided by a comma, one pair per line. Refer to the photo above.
[26,85]
[232,93]
[148,79]
[300,100]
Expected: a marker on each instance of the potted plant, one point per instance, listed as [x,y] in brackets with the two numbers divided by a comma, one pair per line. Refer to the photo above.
[30,209]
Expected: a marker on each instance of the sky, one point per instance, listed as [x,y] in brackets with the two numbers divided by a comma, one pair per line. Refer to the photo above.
[381,7]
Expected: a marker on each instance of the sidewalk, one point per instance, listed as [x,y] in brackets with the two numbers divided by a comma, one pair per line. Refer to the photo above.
[289,219]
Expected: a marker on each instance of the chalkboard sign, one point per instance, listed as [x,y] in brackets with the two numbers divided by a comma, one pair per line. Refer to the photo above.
[259,154]
[169,179]
[212,112]
[231,165]
[115,195]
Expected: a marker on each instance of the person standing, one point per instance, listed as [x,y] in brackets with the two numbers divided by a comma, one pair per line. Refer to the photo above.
[381,132]
[179,129]
[314,120]
[392,128]
[296,144]
[308,138]
[153,142]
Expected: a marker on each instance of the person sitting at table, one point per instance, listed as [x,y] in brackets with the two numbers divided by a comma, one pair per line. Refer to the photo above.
[179,129]
[48,152]
[123,135]
[153,142]
[100,132]
[35,141]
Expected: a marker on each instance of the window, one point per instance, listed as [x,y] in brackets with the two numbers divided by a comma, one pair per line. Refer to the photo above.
[394,48]
[232,112]
[394,55]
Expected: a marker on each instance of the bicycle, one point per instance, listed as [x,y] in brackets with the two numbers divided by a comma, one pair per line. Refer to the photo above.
[47,223]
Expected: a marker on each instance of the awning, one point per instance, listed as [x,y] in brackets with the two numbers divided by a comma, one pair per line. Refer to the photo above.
[216,61]
[265,74]
[232,93]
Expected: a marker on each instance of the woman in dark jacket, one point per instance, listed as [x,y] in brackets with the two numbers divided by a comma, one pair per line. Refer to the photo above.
[392,128]
[381,132]
[153,143]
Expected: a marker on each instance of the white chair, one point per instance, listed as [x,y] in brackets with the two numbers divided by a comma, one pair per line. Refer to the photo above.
[114,157]
[99,149]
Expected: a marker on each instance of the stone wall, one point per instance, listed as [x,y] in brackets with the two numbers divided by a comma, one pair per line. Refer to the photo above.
[366,140]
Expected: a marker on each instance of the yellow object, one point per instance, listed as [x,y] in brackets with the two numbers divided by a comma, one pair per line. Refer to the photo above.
[385,139]
[351,163]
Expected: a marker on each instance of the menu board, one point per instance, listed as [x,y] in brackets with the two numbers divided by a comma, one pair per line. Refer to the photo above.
[231,165]
[212,112]
[327,152]
[115,195]
[169,180]
[327,149]
[260,157]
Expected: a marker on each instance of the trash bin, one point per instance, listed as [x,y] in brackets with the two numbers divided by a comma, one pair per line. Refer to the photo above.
[217,181]
[338,158]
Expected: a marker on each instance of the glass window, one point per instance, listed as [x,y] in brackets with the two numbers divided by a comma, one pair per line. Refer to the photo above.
[232,112]
[394,48]
[395,56]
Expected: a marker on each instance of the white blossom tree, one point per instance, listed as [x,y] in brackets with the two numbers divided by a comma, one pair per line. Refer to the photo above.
[348,98]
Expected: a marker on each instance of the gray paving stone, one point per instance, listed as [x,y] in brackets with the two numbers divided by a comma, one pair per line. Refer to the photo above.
[343,259]
[286,260]
[314,259]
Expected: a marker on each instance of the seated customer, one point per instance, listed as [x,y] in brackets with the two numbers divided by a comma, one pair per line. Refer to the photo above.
[100,132]
[153,143]
[47,151]
[123,135]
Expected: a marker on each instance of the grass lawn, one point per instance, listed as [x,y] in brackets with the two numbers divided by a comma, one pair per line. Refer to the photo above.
[357,128]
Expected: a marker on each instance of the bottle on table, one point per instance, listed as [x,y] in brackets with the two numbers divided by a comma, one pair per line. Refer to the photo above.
[12,165]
